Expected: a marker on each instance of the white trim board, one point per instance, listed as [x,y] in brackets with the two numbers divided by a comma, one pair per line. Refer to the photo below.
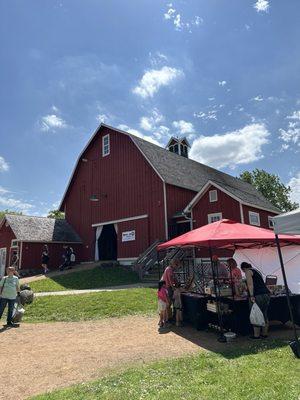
[195,200]
[120,220]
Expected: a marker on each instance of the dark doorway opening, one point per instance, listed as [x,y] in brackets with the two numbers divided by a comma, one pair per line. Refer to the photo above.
[107,243]
[177,229]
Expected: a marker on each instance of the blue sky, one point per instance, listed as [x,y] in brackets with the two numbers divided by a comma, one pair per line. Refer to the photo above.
[223,73]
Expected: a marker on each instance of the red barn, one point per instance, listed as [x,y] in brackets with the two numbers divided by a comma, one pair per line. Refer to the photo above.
[125,193]
[22,239]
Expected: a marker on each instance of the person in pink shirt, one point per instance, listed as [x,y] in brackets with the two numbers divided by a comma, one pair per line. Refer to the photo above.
[235,274]
[163,303]
[171,281]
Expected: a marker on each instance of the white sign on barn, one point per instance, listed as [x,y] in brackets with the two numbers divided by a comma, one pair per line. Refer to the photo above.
[128,236]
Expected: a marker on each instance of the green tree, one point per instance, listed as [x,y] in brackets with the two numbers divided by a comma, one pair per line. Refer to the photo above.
[3,212]
[56,214]
[271,187]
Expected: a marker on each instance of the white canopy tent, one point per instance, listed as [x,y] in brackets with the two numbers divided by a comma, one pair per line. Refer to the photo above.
[288,223]
[267,262]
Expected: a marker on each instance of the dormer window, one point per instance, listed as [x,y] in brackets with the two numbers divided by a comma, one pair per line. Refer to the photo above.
[105,145]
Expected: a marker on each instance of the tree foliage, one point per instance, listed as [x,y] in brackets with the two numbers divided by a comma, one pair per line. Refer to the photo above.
[3,212]
[271,187]
[56,214]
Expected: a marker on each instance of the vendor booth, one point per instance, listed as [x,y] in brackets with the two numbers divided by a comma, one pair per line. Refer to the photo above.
[218,301]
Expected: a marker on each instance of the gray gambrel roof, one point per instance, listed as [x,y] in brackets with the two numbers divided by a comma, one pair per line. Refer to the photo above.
[189,174]
[41,229]
[183,172]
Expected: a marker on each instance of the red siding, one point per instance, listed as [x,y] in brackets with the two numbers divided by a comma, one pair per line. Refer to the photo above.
[125,184]
[177,199]
[32,253]
[6,236]
[133,248]
[225,204]
[263,215]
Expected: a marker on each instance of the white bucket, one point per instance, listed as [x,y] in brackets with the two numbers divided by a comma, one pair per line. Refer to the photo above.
[230,336]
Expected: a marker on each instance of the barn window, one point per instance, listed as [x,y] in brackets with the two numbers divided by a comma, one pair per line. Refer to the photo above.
[105,146]
[213,196]
[270,222]
[14,243]
[254,218]
[214,217]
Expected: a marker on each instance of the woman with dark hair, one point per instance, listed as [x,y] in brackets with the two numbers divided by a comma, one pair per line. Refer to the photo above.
[45,259]
[259,294]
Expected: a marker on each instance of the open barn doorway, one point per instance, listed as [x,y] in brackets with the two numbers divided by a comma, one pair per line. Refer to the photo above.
[108,243]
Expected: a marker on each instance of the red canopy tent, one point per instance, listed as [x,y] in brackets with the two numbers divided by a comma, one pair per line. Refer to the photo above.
[227,234]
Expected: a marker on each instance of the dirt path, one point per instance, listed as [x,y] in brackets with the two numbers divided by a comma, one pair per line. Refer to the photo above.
[43,357]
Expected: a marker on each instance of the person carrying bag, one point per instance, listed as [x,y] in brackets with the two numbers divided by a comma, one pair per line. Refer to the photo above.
[260,298]
[9,290]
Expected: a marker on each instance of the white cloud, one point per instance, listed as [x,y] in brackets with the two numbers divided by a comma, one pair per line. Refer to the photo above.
[101,118]
[183,127]
[170,13]
[291,135]
[8,201]
[3,190]
[4,166]
[262,5]
[210,114]
[295,115]
[137,133]
[294,184]
[150,123]
[242,146]
[157,59]
[175,17]
[258,98]
[161,132]
[52,122]
[54,109]
[222,83]
[154,79]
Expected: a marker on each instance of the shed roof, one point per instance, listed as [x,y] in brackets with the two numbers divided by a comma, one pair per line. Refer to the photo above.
[41,229]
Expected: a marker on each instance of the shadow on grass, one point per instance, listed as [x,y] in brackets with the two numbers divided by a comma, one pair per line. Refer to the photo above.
[280,335]
[89,279]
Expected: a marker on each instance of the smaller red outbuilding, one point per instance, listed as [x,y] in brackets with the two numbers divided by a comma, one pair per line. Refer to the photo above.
[22,239]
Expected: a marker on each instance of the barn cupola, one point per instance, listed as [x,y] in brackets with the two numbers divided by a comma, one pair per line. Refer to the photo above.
[179,146]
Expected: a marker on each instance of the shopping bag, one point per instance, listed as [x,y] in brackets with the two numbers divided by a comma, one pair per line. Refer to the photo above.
[256,316]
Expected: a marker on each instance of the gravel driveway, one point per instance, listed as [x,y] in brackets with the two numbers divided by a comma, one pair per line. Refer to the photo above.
[36,358]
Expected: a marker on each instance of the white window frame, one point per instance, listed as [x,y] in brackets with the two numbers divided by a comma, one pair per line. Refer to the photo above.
[211,193]
[105,146]
[270,222]
[14,243]
[254,214]
[210,217]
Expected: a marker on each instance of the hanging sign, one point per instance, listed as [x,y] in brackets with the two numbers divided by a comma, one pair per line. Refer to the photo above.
[128,236]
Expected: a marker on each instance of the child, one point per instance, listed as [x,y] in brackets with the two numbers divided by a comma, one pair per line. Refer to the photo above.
[178,304]
[163,303]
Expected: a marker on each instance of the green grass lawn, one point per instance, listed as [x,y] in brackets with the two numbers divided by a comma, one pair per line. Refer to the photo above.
[92,306]
[265,372]
[89,279]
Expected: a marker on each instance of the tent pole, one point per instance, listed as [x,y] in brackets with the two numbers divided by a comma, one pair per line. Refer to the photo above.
[286,286]
[221,337]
